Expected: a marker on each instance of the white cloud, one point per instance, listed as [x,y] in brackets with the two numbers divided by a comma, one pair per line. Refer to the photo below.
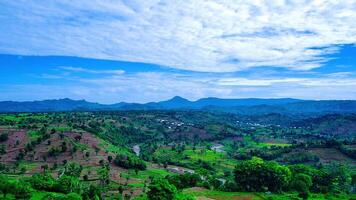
[211,36]
[341,74]
[256,82]
[156,86]
[335,80]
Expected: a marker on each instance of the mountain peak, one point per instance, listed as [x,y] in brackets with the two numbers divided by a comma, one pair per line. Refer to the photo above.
[178,98]
[65,99]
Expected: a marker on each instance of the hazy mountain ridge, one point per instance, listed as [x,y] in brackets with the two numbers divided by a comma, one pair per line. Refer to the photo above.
[249,106]
[300,108]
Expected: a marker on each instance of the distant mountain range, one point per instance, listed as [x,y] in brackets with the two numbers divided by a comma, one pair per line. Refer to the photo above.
[249,106]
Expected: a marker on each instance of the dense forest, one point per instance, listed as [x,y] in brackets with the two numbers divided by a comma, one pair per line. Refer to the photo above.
[177,154]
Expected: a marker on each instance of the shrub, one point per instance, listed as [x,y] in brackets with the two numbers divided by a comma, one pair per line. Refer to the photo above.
[5,186]
[4,137]
[67,184]
[73,169]
[22,190]
[91,192]
[70,196]
[42,181]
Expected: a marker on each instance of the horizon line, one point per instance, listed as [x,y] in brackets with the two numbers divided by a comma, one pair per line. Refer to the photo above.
[212,97]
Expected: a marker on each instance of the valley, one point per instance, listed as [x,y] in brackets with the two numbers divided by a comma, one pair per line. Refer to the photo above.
[123,153]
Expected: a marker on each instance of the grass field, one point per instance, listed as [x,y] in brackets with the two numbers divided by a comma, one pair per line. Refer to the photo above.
[270,144]
[150,172]
[190,157]
[219,159]
[205,194]
[110,148]
[202,194]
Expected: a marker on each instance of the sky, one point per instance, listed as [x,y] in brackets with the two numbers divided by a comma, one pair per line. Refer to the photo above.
[110,51]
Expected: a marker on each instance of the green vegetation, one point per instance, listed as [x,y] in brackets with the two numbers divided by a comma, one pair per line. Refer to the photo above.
[178,155]
[129,162]
[162,189]
[259,176]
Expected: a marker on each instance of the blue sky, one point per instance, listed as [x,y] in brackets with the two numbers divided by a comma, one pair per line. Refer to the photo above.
[140,51]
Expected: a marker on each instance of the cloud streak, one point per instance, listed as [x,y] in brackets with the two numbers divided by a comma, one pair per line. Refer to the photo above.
[90,71]
[206,36]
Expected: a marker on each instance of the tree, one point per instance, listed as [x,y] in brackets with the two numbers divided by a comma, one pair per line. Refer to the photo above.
[110,158]
[121,189]
[127,197]
[160,189]
[63,147]
[101,162]
[303,178]
[258,175]
[129,162]
[302,183]
[20,156]
[74,149]
[23,170]
[103,173]
[302,189]
[97,150]
[44,167]
[53,152]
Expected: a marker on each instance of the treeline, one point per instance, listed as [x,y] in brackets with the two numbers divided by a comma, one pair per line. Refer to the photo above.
[267,153]
[346,147]
[257,175]
[260,176]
